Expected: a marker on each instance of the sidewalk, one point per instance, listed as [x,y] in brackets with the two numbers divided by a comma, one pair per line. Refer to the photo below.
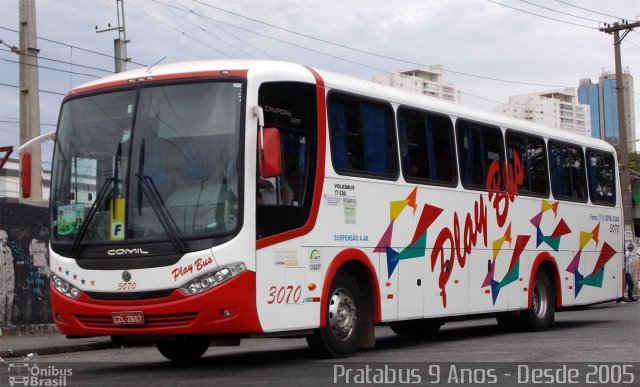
[17,346]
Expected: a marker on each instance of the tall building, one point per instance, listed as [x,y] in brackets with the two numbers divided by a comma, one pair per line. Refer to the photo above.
[422,80]
[603,99]
[556,109]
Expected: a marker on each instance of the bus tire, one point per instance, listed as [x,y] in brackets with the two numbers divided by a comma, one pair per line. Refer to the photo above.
[541,314]
[185,348]
[418,328]
[344,319]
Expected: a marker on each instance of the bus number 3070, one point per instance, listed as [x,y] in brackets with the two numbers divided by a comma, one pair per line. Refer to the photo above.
[284,294]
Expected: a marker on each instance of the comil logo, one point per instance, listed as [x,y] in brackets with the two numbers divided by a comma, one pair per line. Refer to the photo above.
[26,374]
[137,251]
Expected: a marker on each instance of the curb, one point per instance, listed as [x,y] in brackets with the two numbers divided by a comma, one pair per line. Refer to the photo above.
[51,350]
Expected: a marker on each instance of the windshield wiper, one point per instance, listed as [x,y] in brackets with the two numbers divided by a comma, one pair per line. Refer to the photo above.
[105,190]
[107,187]
[116,170]
[146,185]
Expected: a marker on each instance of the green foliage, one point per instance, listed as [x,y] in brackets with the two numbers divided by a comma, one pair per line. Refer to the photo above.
[634,161]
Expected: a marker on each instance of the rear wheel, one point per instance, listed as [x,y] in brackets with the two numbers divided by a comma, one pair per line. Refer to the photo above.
[421,328]
[185,348]
[541,315]
[344,316]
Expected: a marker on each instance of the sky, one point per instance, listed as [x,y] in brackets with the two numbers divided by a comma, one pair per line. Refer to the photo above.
[490,49]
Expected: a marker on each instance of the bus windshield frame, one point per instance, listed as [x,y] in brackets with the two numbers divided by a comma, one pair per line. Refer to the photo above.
[160,162]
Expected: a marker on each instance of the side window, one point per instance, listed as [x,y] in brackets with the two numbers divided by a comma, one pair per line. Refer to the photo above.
[426,147]
[568,178]
[362,136]
[284,202]
[479,146]
[602,181]
[531,152]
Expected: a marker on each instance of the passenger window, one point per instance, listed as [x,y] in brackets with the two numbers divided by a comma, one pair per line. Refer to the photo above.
[479,146]
[426,147]
[362,137]
[602,181]
[531,152]
[568,178]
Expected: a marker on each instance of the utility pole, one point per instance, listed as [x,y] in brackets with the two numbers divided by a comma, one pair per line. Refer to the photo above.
[29,98]
[625,180]
[120,44]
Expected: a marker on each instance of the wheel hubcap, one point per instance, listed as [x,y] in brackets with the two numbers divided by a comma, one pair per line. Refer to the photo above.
[539,300]
[342,314]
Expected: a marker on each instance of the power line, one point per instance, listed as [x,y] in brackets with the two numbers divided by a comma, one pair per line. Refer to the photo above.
[351,61]
[15,120]
[286,42]
[239,49]
[305,47]
[291,32]
[63,62]
[50,68]
[560,12]
[631,43]
[542,16]
[72,46]
[589,10]
[182,32]
[266,54]
[413,63]
[185,8]
[42,91]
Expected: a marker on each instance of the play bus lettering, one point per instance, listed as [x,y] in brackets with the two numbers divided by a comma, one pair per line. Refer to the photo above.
[244,198]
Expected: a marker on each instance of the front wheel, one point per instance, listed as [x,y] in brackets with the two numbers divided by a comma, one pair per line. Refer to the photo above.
[344,319]
[541,315]
[185,348]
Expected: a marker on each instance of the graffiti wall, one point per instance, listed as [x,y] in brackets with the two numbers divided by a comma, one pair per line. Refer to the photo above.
[24,276]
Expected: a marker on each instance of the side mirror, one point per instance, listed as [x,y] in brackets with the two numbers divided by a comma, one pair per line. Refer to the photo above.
[25,175]
[269,152]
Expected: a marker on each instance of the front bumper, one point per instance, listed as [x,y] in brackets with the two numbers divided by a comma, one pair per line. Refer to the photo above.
[229,308]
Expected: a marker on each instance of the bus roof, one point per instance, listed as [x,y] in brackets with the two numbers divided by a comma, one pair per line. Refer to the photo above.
[346,83]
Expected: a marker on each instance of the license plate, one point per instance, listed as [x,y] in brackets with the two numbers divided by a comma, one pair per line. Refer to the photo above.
[133,317]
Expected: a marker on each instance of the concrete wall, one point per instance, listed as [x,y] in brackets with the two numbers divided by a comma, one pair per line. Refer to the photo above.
[24,269]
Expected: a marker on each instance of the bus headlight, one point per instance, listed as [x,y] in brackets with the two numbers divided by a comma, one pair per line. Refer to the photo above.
[64,287]
[212,279]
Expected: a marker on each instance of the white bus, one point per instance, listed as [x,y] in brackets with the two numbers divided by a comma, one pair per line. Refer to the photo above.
[231,199]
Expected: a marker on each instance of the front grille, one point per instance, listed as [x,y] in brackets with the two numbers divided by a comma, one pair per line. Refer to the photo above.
[130,296]
[150,321]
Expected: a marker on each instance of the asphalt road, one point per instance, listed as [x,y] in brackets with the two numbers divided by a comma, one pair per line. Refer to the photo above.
[601,344]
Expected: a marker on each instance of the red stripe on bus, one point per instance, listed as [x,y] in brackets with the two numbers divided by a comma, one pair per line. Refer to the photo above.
[338,261]
[163,77]
[545,257]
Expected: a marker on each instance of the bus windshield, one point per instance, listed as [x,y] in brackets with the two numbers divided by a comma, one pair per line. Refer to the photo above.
[153,163]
